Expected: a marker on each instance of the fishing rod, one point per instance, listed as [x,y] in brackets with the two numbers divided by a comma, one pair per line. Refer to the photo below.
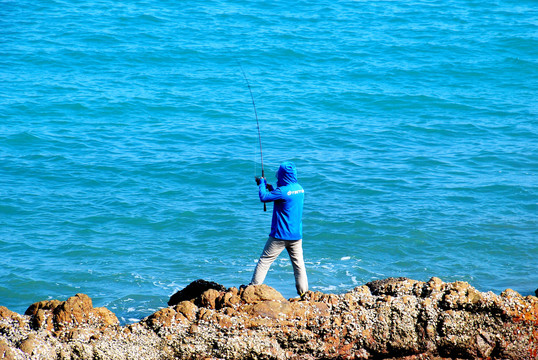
[257,123]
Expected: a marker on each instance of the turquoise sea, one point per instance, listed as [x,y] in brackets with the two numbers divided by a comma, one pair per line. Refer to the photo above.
[129,146]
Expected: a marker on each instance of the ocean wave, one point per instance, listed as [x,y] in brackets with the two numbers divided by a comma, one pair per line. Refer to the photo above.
[128,144]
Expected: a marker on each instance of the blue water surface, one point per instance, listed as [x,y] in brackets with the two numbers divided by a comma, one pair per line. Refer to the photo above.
[129,146]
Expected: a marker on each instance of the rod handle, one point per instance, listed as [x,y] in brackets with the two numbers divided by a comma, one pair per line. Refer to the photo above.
[263,176]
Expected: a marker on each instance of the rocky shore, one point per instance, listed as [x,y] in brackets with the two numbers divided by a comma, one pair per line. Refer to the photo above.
[384,319]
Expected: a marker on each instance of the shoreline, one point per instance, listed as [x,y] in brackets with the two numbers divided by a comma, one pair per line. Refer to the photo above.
[394,318]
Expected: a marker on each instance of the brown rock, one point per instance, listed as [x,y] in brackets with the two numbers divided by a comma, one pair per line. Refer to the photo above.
[209,298]
[460,295]
[318,308]
[188,309]
[5,351]
[7,314]
[224,321]
[41,319]
[230,299]
[313,296]
[254,293]
[163,317]
[193,329]
[510,293]
[473,297]
[233,290]
[206,314]
[74,310]
[41,314]
[434,285]
[299,309]
[396,319]
[362,290]
[485,344]
[105,317]
[394,286]
[259,322]
[28,345]
[349,301]
[329,299]
[77,334]
[270,309]
[230,311]
[42,305]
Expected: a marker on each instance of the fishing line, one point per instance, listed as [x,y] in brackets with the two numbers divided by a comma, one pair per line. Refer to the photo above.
[257,124]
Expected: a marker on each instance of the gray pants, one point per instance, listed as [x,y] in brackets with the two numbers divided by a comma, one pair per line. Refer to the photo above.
[272,249]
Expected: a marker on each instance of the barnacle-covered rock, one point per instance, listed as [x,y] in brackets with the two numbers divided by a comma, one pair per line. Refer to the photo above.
[395,318]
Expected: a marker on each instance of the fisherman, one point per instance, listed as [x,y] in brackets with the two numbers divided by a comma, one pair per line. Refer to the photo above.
[286,225]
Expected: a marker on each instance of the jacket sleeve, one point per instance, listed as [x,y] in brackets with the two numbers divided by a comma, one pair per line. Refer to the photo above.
[268,196]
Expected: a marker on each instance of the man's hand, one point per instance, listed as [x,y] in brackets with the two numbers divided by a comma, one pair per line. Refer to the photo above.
[267,186]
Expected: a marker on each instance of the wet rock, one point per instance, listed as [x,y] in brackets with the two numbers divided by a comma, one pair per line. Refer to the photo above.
[193,291]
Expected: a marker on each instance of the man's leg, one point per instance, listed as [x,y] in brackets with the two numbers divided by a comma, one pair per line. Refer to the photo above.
[295,250]
[273,248]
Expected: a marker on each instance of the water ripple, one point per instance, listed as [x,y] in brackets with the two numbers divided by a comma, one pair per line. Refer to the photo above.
[128,144]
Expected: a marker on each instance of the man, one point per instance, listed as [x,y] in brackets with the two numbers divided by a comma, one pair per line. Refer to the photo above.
[286,225]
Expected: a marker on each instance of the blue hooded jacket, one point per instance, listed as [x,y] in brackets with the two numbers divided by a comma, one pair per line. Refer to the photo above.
[288,197]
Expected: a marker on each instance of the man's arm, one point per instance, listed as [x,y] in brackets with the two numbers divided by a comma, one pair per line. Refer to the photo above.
[267,193]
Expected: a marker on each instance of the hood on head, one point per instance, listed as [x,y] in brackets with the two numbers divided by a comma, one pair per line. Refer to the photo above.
[286,174]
